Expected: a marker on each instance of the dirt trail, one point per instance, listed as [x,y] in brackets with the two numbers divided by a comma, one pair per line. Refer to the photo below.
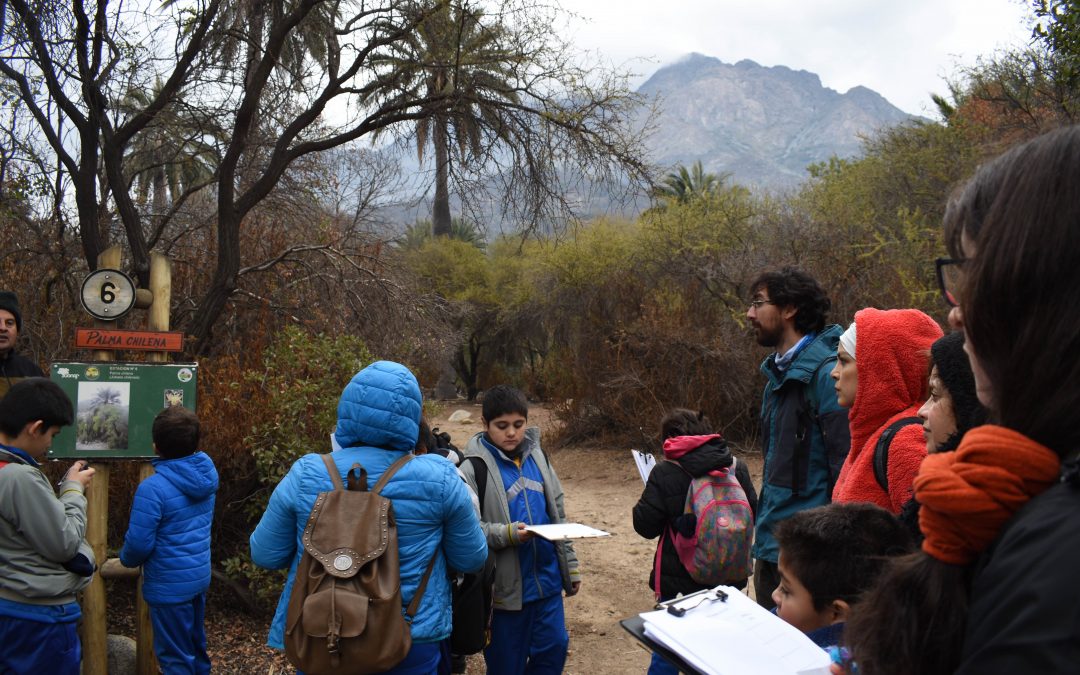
[601,485]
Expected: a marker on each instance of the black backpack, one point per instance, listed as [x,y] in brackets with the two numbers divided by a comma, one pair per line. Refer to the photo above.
[881,449]
[473,594]
[441,445]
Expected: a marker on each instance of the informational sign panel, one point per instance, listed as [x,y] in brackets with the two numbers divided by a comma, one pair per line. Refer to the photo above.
[115,405]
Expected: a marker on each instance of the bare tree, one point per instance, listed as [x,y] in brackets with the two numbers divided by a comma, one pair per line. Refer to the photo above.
[563,127]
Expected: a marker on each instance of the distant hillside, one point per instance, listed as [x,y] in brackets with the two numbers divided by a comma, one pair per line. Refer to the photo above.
[764,125]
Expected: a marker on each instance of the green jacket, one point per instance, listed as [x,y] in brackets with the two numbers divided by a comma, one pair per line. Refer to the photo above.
[804,436]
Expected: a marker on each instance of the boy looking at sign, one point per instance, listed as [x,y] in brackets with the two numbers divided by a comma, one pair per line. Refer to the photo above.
[169,535]
[46,558]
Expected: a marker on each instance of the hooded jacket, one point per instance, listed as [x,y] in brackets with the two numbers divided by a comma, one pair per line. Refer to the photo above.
[804,438]
[378,422]
[892,357]
[39,532]
[664,500]
[169,530]
[498,514]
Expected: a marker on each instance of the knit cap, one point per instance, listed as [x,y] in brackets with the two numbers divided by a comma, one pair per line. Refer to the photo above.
[10,302]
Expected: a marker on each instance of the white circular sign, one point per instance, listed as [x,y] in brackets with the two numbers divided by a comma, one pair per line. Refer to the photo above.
[108,294]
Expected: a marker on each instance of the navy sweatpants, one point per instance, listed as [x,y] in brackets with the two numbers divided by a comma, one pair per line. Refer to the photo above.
[180,637]
[532,640]
[33,647]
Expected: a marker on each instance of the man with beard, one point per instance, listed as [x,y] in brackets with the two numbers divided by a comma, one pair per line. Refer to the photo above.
[11,364]
[804,431]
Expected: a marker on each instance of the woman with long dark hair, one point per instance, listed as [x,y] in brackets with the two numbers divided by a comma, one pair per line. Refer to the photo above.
[992,590]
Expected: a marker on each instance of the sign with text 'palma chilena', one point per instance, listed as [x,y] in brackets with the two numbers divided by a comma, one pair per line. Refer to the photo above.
[115,405]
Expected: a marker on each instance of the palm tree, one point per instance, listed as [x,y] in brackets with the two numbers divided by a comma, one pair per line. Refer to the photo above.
[417,234]
[454,60]
[683,186]
[106,396]
[170,157]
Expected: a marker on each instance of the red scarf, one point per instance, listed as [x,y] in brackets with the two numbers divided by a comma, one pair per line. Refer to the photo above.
[968,495]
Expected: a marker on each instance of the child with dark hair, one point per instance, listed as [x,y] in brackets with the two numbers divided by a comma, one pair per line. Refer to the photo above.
[169,535]
[691,449]
[42,536]
[829,556]
[528,628]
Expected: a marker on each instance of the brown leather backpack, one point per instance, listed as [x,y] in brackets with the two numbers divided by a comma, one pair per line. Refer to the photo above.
[344,614]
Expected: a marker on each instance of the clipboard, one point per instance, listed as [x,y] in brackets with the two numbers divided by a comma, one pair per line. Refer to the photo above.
[566,531]
[635,625]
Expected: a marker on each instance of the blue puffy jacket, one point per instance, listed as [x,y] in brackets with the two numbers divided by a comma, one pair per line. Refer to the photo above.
[169,531]
[378,422]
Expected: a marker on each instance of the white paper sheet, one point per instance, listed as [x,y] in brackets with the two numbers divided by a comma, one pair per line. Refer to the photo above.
[561,531]
[645,463]
[735,637]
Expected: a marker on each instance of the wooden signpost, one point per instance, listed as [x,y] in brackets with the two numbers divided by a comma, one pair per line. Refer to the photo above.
[108,294]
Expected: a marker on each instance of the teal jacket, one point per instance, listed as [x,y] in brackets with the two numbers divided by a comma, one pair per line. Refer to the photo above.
[804,436]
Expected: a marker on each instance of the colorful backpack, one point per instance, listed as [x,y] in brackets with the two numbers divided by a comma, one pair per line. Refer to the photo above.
[719,551]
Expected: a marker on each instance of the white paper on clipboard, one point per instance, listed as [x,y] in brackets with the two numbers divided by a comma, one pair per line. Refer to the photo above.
[561,531]
[645,463]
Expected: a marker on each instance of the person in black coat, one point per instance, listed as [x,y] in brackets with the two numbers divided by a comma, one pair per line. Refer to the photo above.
[663,501]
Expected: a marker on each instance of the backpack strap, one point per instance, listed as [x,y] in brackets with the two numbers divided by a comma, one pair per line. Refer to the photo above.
[480,472]
[414,605]
[389,473]
[881,450]
[331,468]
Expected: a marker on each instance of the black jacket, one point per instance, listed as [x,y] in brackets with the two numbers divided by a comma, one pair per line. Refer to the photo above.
[663,501]
[13,365]
[1025,611]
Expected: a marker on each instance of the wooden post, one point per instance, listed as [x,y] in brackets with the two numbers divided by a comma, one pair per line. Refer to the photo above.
[157,319]
[94,629]
[145,661]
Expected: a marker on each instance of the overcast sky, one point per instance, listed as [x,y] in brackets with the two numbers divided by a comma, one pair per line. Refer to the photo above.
[902,49]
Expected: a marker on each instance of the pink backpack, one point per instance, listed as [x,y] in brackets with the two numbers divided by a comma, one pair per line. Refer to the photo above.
[719,551]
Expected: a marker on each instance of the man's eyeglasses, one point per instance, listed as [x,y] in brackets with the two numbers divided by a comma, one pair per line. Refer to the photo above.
[948,278]
[756,304]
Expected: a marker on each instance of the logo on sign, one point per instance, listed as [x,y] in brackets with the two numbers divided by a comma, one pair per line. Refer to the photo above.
[184,374]
[67,374]
[92,373]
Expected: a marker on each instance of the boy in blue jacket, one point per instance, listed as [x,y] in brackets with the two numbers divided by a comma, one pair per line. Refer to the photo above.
[169,535]
[528,627]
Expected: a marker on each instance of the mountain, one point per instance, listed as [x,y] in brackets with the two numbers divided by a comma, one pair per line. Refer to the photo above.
[762,124]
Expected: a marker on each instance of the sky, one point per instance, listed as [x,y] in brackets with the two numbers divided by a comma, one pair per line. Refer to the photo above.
[902,49]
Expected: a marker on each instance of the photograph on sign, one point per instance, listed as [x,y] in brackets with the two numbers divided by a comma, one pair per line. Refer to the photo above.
[116,404]
[101,417]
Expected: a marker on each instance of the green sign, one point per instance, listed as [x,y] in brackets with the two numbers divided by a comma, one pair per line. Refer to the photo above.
[115,405]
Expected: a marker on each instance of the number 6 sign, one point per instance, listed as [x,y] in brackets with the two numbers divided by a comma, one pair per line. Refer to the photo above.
[108,294]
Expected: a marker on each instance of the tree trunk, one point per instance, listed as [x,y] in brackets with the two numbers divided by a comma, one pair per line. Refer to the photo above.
[440,210]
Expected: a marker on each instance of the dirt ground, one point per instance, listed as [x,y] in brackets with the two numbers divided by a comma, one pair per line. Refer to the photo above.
[601,486]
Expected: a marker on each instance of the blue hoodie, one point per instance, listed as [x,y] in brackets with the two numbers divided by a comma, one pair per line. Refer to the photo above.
[169,531]
[378,422]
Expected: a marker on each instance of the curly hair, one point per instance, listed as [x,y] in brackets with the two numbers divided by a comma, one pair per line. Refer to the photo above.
[790,286]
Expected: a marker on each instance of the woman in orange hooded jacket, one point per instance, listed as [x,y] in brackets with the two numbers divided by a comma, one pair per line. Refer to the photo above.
[880,375]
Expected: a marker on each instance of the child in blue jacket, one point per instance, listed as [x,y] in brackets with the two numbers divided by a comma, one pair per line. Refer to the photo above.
[528,626]
[169,535]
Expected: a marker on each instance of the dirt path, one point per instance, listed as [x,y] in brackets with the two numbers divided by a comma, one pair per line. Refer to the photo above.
[601,485]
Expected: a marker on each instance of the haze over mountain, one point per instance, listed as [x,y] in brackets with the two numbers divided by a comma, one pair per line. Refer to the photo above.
[762,124]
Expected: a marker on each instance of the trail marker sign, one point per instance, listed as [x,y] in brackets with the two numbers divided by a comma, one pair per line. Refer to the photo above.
[108,294]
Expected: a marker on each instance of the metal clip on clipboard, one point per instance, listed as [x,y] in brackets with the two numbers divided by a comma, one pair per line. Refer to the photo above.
[680,606]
